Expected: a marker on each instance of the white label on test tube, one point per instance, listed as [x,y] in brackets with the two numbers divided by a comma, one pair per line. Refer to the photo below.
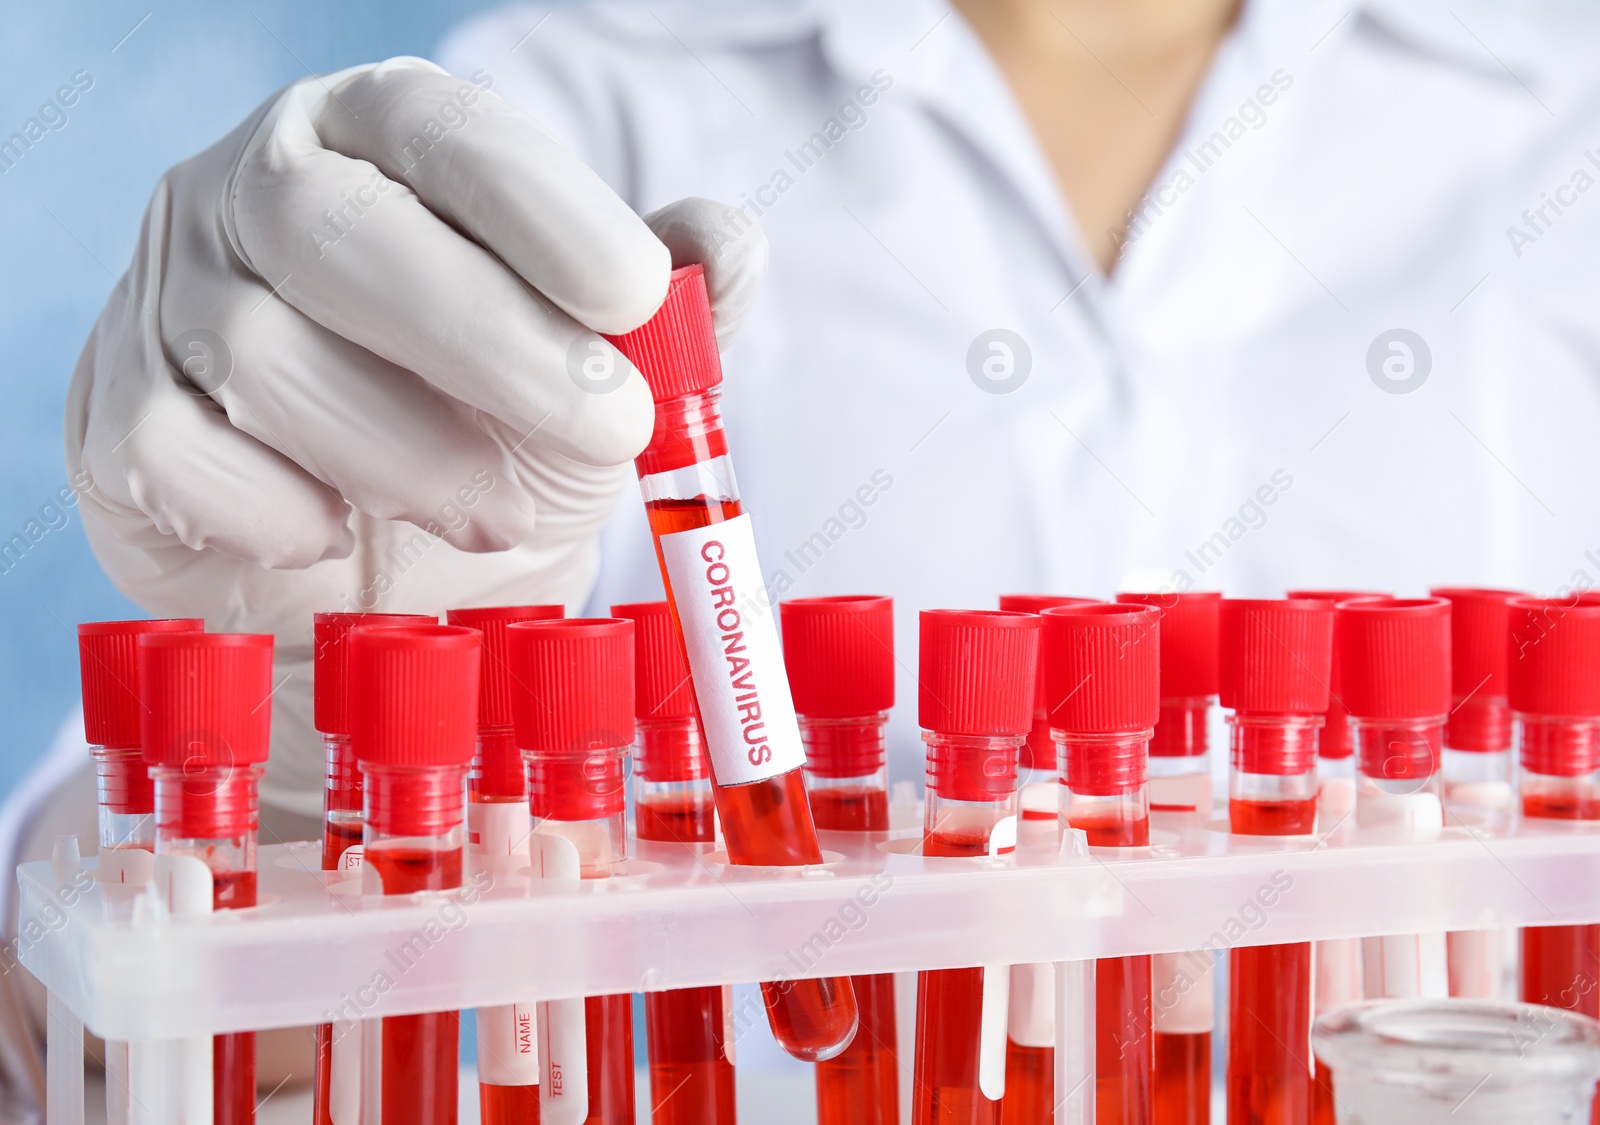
[1031,1015]
[563,1039]
[1182,1001]
[508,1045]
[344,1071]
[1404,966]
[992,1031]
[734,657]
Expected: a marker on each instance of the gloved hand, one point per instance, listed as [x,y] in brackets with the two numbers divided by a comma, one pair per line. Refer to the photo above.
[347,370]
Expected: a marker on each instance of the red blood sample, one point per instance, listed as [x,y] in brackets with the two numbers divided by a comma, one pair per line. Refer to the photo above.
[850,809]
[863,1083]
[1183,1079]
[608,1033]
[677,818]
[419,1051]
[1030,1086]
[1296,816]
[949,1013]
[691,1080]
[1269,1070]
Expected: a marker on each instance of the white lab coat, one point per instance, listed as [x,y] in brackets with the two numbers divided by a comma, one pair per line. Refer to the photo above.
[1205,417]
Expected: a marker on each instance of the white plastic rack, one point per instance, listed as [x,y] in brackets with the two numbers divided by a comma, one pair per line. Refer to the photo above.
[118,961]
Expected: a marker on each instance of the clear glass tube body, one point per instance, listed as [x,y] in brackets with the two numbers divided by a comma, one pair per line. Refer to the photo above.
[1461,1062]
[1272,792]
[848,785]
[1106,796]
[687,481]
[1180,756]
[970,810]
[210,813]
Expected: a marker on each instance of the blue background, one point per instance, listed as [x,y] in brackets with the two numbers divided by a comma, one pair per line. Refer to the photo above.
[69,214]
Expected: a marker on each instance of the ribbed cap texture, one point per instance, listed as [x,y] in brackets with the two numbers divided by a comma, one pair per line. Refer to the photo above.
[662,688]
[840,655]
[1188,641]
[108,666]
[330,663]
[676,349]
[574,684]
[1478,626]
[975,671]
[1553,656]
[1102,668]
[414,694]
[1394,656]
[207,698]
[494,675]
[1276,657]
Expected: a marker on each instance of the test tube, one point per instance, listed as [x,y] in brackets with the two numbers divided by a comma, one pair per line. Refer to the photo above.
[1038,779]
[1553,680]
[498,826]
[341,799]
[840,656]
[1394,656]
[1476,762]
[1459,1062]
[975,704]
[1275,661]
[108,666]
[574,722]
[1336,763]
[413,729]
[1180,758]
[719,602]
[686,1029]
[1102,673]
[206,730]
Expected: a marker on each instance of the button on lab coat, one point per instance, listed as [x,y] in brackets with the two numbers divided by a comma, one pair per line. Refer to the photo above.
[1351,339]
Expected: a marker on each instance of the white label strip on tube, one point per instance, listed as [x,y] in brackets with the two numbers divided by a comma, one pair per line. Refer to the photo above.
[734,657]
[345,1053]
[497,835]
[1182,1002]
[992,1031]
[508,1045]
[1031,1016]
[563,1044]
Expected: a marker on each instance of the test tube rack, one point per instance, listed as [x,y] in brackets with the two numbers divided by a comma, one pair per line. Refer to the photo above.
[118,961]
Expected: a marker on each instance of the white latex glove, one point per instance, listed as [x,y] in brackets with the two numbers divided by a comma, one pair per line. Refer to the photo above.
[344,370]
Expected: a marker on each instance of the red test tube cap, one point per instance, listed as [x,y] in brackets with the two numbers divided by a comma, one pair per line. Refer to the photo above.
[1553,656]
[840,655]
[574,680]
[494,677]
[414,694]
[330,663]
[676,349]
[206,699]
[1102,668]
[1188,641]
[1394,657]
[108,666]
[661,684]
[975,671]
[1275,656]
[1478,622]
